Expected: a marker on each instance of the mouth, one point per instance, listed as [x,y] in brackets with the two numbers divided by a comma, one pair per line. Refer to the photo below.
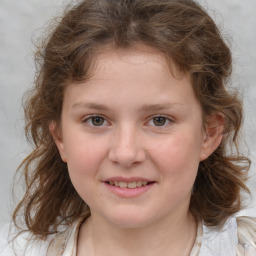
[131,185]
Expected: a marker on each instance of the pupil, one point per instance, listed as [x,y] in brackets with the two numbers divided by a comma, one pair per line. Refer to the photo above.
[158,121]
[97,121]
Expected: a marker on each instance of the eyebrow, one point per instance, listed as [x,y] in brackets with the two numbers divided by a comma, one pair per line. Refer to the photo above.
[159,107]
[143,108]
[90,105]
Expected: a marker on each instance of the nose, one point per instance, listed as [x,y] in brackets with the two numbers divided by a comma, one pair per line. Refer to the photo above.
[126,147]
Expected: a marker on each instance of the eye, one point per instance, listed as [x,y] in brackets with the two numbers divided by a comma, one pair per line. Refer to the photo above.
[159,121]
[95,121]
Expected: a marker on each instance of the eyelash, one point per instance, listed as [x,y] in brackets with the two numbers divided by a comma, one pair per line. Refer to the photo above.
[168,120]
[88,120]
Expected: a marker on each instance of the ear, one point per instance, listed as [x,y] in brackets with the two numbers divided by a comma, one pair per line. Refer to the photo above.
[212,135]
[57,137]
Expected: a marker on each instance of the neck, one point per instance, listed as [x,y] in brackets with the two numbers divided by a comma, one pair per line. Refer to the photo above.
[172,236]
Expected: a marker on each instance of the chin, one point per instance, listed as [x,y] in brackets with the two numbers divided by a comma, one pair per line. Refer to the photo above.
[131,220]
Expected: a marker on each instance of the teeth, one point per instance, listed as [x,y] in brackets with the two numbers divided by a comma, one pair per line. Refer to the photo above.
[133,184]
[139,183]
[123,184]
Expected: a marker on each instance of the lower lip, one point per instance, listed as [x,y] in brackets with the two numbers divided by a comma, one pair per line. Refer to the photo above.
[129,192]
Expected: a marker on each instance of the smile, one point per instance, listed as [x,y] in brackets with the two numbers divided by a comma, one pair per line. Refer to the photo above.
[134,184]
[129,187]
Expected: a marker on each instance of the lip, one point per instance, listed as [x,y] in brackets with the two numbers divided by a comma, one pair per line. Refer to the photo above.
[128,179]
[128,192]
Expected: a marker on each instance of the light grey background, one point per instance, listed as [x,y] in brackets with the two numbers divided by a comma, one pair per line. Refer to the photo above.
[19,20]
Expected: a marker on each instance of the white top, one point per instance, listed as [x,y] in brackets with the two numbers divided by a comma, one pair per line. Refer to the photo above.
[236,238]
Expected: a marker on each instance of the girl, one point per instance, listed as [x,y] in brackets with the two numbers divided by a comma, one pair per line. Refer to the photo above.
[135,137]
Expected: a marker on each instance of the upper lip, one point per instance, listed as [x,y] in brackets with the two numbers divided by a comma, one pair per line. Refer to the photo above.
[124,179]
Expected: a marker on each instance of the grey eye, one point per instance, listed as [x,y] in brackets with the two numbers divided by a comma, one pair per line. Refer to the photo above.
[97,120]
[159,121]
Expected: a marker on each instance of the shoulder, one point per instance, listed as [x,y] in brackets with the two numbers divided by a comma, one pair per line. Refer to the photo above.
[21,245]
[65,243]
[246,232]
[236,237]
[219,240]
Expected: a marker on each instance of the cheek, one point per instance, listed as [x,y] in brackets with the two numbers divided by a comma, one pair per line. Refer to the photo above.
[84,157]
[178,158]
[84,161]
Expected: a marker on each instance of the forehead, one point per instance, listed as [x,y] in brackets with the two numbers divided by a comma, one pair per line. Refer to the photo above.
[136,55]
[139,63]
[135,77]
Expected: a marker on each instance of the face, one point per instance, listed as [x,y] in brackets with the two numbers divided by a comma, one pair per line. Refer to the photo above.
[132,138]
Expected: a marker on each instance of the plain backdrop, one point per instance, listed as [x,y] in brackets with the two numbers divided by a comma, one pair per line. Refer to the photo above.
[20,21]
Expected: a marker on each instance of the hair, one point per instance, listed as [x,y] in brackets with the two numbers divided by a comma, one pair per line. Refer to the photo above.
[188,37]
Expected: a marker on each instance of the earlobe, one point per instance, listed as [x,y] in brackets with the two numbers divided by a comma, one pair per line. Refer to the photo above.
[213,134]
[57,137]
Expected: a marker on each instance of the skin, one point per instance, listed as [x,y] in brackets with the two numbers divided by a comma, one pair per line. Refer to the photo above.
[133,87]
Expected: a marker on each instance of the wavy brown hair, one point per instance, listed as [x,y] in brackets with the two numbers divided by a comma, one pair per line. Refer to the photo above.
[189,38]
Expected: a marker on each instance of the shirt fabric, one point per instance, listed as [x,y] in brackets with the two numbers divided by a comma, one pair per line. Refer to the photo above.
[236,238]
